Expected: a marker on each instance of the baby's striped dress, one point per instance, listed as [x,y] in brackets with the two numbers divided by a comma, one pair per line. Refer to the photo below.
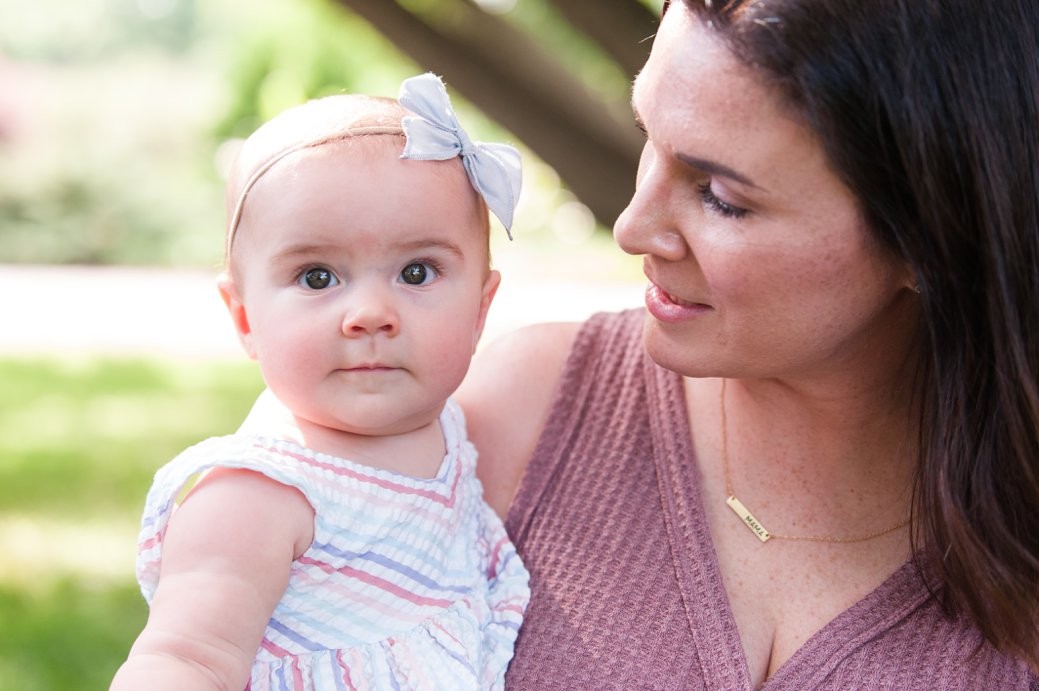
[409,583]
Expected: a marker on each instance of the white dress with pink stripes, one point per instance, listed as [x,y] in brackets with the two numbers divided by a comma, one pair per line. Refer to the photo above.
[410,583]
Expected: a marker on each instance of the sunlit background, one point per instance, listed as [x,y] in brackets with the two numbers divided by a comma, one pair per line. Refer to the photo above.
[117,118]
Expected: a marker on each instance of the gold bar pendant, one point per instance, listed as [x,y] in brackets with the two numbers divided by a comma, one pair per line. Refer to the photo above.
[748,518]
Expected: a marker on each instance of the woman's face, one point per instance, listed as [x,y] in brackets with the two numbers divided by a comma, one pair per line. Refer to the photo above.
[758,259]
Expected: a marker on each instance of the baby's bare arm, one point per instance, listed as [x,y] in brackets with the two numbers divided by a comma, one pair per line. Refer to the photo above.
[226,560]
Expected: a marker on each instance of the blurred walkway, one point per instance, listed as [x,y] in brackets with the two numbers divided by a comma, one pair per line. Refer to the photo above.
[46,310]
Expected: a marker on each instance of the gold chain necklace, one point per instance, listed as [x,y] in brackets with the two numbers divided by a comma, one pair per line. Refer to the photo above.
[755,525]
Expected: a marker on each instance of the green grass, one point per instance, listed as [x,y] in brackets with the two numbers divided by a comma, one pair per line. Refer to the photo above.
[79,443]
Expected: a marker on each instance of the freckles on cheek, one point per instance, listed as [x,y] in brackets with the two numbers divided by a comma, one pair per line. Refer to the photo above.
[836,271]
[741,277]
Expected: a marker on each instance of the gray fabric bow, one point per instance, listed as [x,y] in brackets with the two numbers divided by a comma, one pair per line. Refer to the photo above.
[434,133]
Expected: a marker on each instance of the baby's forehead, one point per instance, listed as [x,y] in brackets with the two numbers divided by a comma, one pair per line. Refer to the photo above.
[313,121]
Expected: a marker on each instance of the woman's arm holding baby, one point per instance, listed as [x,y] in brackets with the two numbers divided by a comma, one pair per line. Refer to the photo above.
[507,396]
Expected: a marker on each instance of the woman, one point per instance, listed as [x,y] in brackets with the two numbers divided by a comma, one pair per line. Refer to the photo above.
[813,462]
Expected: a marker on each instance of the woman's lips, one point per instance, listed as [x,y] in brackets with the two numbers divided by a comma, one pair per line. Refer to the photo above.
[668,308]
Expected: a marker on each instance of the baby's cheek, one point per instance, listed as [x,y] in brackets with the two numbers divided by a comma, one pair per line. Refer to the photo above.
[452,357]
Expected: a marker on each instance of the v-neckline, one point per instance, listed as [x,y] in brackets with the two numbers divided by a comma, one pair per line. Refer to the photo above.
[698,571]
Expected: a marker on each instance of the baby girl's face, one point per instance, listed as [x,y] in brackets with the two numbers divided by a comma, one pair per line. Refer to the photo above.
[365,284]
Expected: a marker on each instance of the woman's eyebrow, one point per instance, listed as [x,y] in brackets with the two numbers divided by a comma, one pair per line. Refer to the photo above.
[635,112]
[716,169]
[701,164]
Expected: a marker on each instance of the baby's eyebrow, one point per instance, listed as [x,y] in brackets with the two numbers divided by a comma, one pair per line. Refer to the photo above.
[298,249]
[295,250]
[431,243]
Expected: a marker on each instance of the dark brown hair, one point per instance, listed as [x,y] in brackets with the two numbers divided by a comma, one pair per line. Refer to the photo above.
[929,111]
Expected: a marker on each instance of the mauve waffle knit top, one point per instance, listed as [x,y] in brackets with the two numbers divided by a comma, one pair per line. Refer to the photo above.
[626,588]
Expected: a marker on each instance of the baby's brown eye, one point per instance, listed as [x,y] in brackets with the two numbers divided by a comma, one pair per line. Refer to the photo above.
[414,274]
[317,279]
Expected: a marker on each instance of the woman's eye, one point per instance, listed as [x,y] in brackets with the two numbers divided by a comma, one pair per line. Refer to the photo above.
[318,279]
[418,273]
[712,202]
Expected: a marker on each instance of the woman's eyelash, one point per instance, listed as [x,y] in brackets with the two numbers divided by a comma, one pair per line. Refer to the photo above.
[712,202]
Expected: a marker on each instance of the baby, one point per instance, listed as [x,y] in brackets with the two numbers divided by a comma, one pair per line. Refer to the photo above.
[352,548]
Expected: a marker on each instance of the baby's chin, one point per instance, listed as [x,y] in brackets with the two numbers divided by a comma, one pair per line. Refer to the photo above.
[368,430]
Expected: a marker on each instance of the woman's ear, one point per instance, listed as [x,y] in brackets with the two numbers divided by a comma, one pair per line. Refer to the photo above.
[236,308]
[912,281]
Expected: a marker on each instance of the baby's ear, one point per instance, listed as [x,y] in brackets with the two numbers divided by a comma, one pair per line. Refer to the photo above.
[236,308]
[490,288]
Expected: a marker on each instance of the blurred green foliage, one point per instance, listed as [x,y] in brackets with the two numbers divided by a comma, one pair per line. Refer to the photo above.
[113,114]
[117,117]
[79,443]
[83,437]
[67,636]
[306,50]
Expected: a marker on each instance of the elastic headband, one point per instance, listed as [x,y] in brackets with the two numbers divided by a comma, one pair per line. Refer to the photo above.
[236,216]
[432,133]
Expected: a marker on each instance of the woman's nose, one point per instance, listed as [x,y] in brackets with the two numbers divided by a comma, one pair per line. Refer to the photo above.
[371,312]
[648,224]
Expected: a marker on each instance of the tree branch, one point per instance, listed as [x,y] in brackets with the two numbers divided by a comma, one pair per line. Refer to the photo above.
[624,28]
[514,81]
